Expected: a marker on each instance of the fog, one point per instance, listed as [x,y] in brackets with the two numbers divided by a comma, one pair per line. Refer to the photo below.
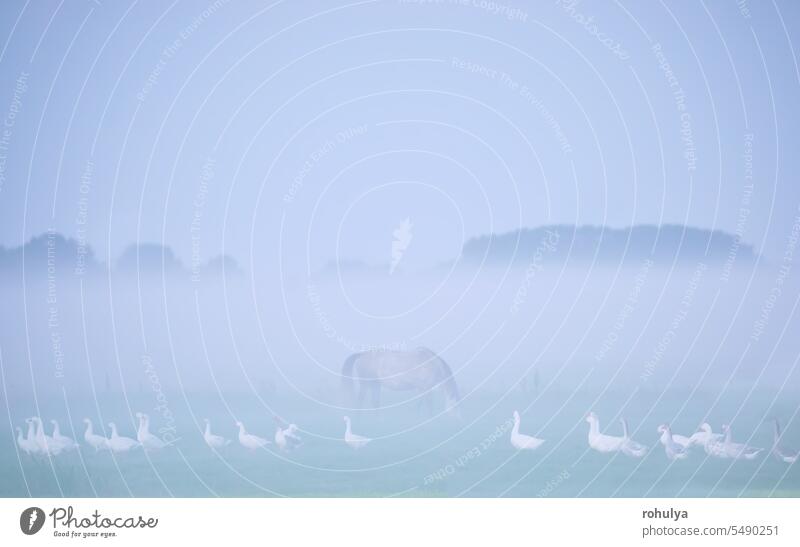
[545,321]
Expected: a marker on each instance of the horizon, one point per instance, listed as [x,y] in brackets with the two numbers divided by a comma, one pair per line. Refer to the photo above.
[345,261]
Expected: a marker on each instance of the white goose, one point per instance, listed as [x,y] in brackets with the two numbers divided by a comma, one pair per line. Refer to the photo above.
[118,443]
[30,440]
[710,441]
[738,450]
[630,447]
[520,441]
[143,435]
[353,441]
[778,451]
[674,450]
[94,440]
[250,441]
[44,443]
[26,445]
[599,441]
[287,439]
[66,443]
[713,443]
[214,441]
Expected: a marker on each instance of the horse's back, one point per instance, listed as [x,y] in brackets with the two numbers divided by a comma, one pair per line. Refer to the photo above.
[399,369]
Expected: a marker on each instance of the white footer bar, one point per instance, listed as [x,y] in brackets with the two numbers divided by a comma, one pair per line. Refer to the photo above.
[401,522]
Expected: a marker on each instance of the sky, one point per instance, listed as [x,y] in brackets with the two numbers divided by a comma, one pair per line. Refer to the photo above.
[296,133]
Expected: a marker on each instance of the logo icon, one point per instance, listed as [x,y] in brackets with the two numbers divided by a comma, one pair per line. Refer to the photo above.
[31,520]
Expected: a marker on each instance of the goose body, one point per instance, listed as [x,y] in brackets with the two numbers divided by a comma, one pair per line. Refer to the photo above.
[351,439]
[44,443]
[118,443]
[673,449]
[214,441]
[781,453]
[287,439]
[681,440]
[30,439]
[143,435]
[250,441]
[600,442]
[710,441]
[737,450]
[520,441]
[716,448]
[98,442]
[64,442]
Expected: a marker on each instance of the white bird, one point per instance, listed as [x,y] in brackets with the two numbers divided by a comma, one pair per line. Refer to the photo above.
[353,441]
[738,450]
[710,441]
[250,441]
[143,435]
[713,443]
[778,451]
[44,443]
[118,443]
[520,441]
[66,443]
[30,440]
[26,445]
[600,442]
[94,440]
[214,441]
[630,447]
[674,450]
[287,438]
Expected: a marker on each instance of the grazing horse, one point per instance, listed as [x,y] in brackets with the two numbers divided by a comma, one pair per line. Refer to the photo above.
[419,369]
